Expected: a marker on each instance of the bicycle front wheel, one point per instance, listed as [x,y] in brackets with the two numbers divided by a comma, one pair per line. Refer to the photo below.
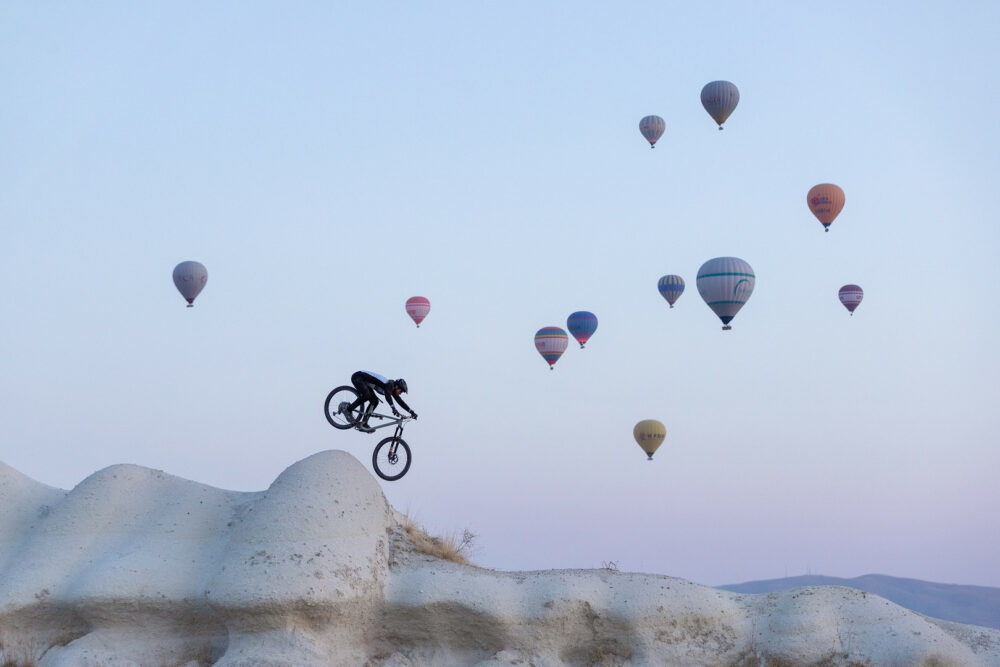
[337,408]
[391,458]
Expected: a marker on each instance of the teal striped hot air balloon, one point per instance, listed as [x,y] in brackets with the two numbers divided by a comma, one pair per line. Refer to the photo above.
[725,283]
[551,342]
[671,287]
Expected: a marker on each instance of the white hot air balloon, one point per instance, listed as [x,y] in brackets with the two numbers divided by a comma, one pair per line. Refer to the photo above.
[725,283]
[190,279]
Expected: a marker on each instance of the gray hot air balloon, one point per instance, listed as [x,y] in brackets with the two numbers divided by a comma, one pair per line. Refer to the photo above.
[725,283]
[720,99]
[190,279]
[652,128]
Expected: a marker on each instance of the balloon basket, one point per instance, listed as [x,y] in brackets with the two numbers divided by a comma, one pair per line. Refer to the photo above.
[727,328]
[649,457]
[190,305]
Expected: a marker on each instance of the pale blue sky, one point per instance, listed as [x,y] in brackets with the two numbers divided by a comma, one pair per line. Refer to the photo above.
[327,161]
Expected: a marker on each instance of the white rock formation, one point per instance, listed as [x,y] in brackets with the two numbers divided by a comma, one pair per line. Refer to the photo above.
[136,567]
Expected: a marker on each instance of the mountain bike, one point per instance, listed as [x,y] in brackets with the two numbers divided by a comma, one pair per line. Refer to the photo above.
[391,458]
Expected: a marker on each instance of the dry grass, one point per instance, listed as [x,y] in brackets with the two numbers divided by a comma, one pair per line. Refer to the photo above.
[8,653]
[454,547]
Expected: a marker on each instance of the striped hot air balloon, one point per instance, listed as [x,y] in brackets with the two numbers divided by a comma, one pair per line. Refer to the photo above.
[189,279]
[725,283]
[720,99]
[582,325]
[825,200]
[671,287]
[417,308]
[551,342]
[652,128]
[850,296]
[649,433]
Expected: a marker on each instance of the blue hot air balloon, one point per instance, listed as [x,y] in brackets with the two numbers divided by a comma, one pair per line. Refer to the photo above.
[671,287]
[720,99]
[582,325]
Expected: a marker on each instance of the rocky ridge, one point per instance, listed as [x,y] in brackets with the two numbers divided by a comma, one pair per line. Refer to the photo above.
[137,567]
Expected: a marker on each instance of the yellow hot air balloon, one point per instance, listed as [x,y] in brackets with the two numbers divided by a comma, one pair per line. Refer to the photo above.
[649,433]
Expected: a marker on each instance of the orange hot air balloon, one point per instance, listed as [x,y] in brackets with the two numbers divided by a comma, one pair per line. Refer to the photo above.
[825,201]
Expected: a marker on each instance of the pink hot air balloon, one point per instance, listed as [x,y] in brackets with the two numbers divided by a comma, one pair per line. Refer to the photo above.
[850,296]
[417,308]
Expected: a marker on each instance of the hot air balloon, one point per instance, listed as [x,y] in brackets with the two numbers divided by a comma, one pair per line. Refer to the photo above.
[825,201]
[551,342]
[190,279]
[850,296]
[725,283]
[649,433]
[652,128]
[671,287]
[417,308]
[720,99]
[582,325]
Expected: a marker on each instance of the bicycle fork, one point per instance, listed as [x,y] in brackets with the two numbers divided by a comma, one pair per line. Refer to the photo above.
[395,442]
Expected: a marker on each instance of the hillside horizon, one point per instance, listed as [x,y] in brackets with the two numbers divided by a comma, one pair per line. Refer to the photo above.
[959,603]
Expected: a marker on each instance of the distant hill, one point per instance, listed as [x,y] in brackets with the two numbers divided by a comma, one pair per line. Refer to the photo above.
[973,605]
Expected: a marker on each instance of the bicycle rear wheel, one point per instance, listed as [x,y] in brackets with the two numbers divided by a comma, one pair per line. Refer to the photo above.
[336,408]
[391,458]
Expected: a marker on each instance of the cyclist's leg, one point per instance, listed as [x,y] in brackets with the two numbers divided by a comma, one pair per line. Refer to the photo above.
[372,404]
[364,391]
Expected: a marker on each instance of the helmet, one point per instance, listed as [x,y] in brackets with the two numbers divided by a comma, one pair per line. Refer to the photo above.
[401,383]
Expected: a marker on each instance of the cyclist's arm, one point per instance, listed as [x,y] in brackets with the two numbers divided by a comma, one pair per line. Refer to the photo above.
[403,404]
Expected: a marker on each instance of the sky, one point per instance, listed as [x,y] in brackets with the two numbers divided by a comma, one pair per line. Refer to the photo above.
[327,161]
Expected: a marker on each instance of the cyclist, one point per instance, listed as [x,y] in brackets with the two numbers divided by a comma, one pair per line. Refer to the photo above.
[368,384]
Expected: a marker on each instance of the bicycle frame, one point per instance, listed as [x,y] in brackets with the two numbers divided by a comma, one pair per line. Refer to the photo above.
[393,421]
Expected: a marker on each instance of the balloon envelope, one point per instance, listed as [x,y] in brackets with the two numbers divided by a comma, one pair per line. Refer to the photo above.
[850,296]
[725,283]
[551,342]
[720,99]
[417,308]
[652,128]
[190,279]
[649,433]
[825,200]
[671,287]
[582,324]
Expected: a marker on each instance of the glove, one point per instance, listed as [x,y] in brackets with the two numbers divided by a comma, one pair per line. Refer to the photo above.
[413,414]
[395,412]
